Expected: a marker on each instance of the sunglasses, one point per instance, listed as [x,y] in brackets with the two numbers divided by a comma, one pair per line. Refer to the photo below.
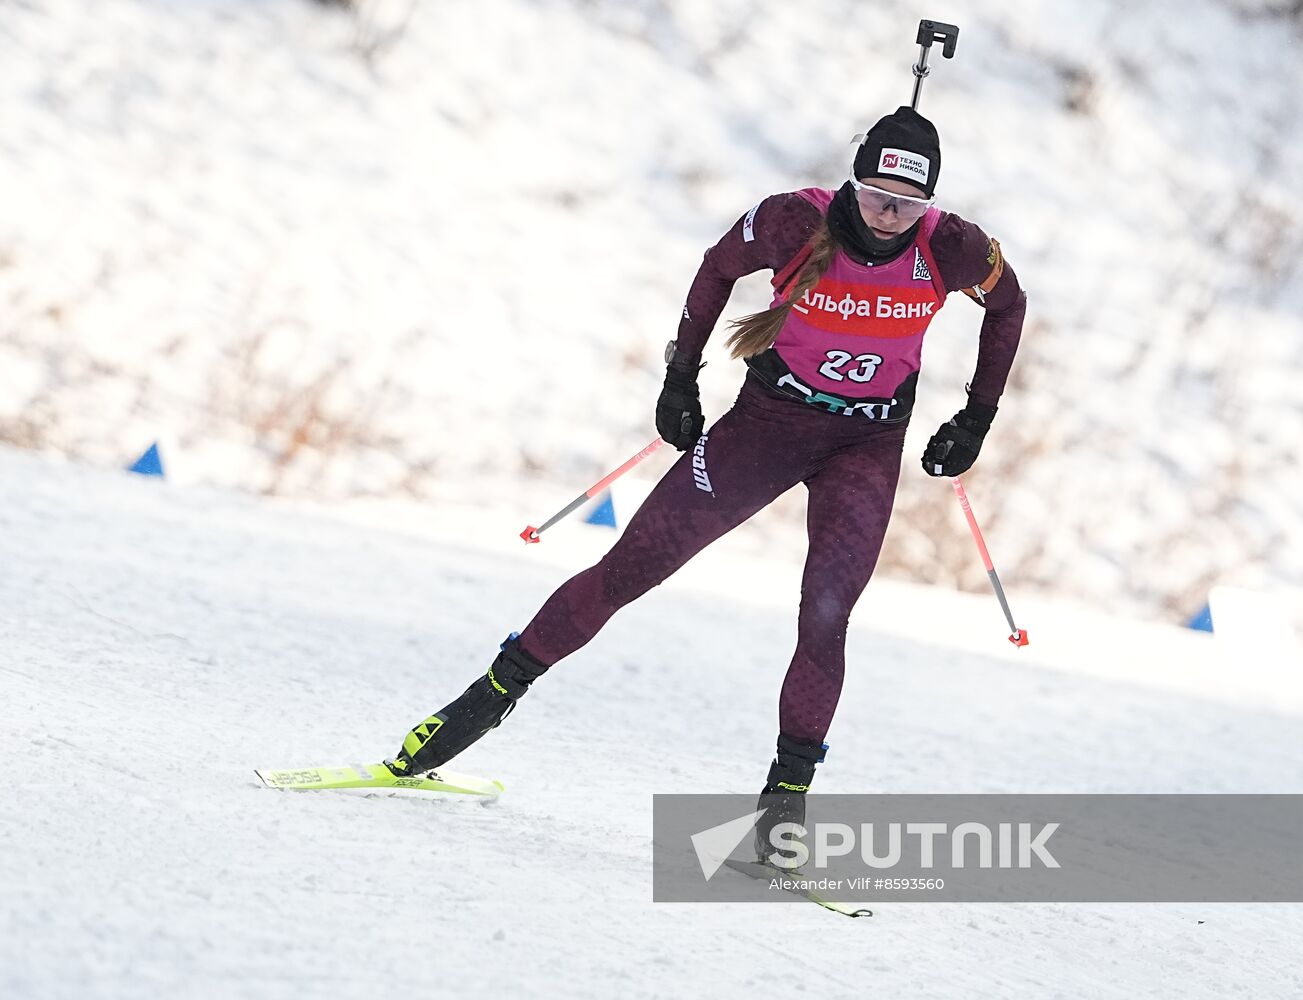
[875,200]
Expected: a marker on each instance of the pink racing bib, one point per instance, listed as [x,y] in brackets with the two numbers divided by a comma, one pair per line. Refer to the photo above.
[858,334]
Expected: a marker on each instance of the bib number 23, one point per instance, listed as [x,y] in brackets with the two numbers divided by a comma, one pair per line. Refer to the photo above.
[840,359]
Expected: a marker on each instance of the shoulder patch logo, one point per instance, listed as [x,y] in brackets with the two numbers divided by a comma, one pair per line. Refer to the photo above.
[749,224]
[921,272]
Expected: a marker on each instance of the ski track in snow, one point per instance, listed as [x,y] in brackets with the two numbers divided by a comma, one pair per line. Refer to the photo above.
[161,642]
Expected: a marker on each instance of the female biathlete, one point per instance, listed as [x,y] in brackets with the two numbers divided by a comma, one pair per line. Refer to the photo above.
[859,274]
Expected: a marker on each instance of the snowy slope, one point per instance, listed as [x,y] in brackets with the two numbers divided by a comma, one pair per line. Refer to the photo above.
[437,254]
[158,642]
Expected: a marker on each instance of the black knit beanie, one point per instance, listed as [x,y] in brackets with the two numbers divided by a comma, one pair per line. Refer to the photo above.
[903,146]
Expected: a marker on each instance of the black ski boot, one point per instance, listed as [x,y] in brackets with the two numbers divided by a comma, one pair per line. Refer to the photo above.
[783,797]
[481,707]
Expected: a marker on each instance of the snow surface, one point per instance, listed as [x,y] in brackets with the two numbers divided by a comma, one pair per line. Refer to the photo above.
[436,250]
[158,642]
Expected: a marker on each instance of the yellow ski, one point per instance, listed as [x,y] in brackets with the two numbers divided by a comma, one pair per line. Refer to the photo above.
[377,776]
[767,872]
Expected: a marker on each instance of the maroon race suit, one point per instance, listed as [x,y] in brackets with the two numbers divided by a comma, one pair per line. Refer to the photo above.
[778,435]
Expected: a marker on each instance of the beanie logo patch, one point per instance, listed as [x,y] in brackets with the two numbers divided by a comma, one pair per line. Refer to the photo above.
[903,163]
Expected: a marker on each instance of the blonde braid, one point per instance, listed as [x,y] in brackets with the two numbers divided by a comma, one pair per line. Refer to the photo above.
[757,332]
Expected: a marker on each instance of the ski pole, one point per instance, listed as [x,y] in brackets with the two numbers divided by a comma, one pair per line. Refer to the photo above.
[929,32]
[530,534]
[1019,636]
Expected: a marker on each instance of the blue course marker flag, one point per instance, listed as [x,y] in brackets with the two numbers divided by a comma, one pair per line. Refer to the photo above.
[603,513]
[1203,621]
[148,464]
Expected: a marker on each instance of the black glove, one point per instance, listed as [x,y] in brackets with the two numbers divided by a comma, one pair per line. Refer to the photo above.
[953,448]
[678,411]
